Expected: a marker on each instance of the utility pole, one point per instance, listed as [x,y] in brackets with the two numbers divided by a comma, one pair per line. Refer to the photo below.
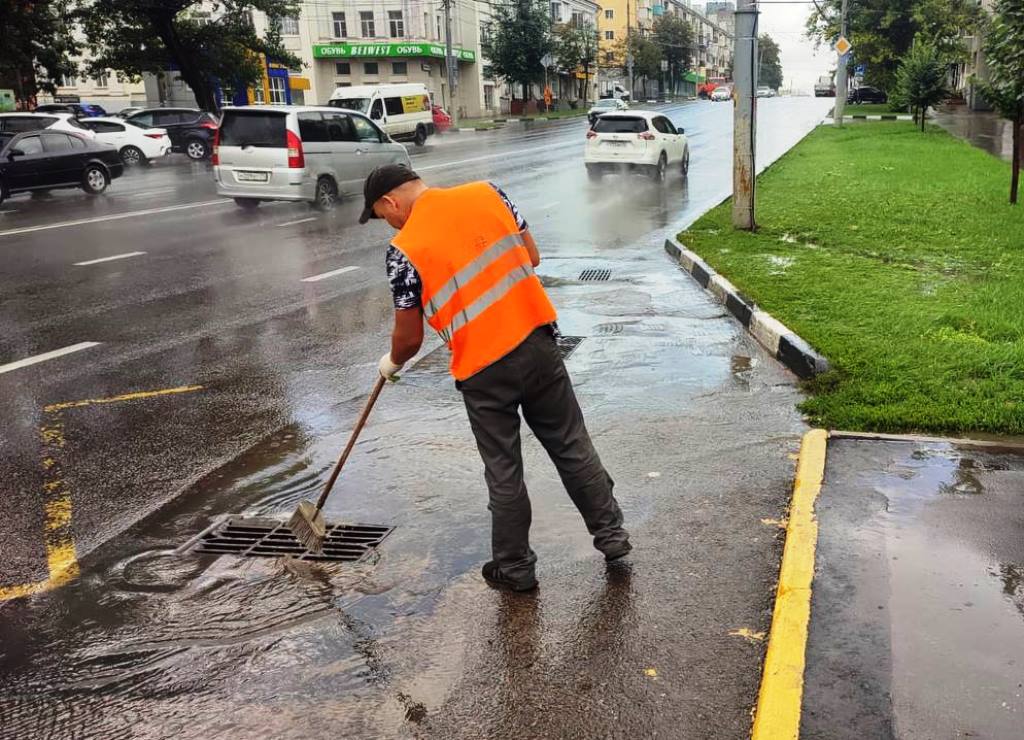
[839,109]
[629,52]
[744,120]
[449,61]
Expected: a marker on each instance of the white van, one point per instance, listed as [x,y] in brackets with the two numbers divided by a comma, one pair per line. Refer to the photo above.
[402,110]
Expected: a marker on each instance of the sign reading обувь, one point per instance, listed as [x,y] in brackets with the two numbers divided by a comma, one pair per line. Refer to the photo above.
[328,51]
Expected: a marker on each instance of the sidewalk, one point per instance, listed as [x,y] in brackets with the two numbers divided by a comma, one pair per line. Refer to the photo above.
[984,130]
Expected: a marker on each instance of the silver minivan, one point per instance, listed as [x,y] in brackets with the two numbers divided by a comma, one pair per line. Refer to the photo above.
[296,152]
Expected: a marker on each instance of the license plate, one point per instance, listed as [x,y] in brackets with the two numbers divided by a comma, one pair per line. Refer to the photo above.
[616,143]
[252,176]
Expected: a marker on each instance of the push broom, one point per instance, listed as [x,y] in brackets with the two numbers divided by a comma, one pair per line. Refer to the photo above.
[307,523]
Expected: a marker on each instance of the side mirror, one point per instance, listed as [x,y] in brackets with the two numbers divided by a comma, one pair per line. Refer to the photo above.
[15,152]
[681,131]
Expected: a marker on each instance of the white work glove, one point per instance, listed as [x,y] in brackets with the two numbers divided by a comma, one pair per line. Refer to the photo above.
[387,368]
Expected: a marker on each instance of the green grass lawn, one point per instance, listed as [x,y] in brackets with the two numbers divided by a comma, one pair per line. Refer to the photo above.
[896,255]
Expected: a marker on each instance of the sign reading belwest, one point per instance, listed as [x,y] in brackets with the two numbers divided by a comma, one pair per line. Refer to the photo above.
[329,51]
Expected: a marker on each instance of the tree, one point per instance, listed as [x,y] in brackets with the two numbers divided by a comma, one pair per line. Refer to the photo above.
[36,46]
[518,36]
[674,38]
[769,71]
[576,49]
[1004,55]
[137,36]
[646,58]
[921,79]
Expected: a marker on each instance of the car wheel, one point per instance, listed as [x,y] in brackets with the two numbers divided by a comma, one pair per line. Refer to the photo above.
[196,149]
[686,162]
[421,136]
[94,179]
[659,170]
[132,156]
[247,204]
[326,194]
[594,173]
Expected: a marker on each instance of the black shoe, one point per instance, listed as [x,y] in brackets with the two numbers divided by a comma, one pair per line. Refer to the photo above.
[493,575]
[619,551]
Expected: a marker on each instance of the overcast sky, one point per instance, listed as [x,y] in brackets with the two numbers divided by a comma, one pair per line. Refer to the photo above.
[801,65]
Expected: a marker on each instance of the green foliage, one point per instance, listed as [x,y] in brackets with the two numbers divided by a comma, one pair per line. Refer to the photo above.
[519,35]
[674,39]
[36,46]
[576,47]
[921,79]
[900,270]
[151,35]
[646,57]
[770,70]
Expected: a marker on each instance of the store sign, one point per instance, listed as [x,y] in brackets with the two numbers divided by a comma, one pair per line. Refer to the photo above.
[345,51]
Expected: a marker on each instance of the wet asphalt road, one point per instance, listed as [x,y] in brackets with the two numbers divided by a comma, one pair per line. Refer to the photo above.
[693,420]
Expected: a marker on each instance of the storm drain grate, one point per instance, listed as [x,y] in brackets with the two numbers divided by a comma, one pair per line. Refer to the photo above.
[592,275]
[269,538]
[568,345]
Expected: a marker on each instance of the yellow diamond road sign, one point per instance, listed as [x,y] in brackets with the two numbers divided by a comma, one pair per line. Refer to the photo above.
[843,46]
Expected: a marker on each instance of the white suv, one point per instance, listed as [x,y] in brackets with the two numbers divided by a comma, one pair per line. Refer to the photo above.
[644,140]
[21,122]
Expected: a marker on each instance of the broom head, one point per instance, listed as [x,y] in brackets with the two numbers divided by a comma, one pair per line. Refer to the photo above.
[308,526]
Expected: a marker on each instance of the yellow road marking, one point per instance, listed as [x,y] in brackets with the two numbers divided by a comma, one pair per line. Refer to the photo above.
[126,397]
[779,702]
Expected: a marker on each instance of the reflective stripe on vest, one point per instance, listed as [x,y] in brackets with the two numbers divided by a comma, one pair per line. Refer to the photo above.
[470,271]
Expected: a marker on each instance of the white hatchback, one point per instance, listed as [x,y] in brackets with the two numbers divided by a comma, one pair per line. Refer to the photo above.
[135,144]
[21,122]
[637,140]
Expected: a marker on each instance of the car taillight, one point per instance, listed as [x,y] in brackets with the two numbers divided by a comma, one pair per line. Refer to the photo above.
[295,155]
[215,156]
[647,136]
[208,124]
[154,136]
[591,134]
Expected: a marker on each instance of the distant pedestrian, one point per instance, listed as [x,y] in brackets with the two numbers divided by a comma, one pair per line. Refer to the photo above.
[463,258]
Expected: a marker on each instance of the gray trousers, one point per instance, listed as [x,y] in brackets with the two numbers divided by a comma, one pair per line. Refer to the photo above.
[534,378]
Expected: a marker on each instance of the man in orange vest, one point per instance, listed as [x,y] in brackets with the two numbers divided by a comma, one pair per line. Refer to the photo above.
[463,259]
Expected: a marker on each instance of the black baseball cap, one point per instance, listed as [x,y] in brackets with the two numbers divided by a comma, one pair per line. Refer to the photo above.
[380,182]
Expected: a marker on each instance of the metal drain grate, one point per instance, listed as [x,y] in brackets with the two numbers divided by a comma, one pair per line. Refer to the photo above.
[568,345]
[269,538]
[595,275]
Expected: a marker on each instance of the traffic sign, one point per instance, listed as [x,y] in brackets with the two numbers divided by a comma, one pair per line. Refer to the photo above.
[843,46]
[547,60]
[859,70]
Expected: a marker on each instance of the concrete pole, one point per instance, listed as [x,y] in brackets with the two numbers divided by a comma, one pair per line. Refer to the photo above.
[629,52]
[744,120]
[839,109]
[450,62]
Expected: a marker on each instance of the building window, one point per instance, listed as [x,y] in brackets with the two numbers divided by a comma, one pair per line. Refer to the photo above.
[577,20]
[556,12]
[400,69]
[396,24]
[257,95]
[370,68]
[609,35]
[342,68]
[102,80]
[489,97]
[609,57]
[288,25]
[66,81]
[340,25]
[277,91]
[439,36]
[609,14]
[366,21]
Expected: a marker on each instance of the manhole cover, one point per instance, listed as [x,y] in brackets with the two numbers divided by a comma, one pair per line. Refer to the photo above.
[269,538]
[595,275]
[568,345]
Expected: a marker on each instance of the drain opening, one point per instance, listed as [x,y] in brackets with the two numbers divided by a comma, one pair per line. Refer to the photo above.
[595,275]
[269,538]
[568,345]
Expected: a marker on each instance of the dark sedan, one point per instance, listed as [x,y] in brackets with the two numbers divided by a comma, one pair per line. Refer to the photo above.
[867,94]
[191,131]
[47,160]
[82,110]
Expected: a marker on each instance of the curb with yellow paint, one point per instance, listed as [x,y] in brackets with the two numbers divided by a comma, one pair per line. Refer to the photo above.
[777,716]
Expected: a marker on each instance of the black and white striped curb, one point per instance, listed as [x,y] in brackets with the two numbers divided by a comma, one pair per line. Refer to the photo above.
[880,117]
[785,346]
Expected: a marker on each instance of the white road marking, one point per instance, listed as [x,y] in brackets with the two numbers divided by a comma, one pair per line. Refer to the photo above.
[9,211]
[46,356]
[126,255]
[325,275]
[114,217]
[499,155]
[299,221]
[148,193]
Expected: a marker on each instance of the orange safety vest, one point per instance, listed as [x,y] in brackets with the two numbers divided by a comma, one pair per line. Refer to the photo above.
[480,292]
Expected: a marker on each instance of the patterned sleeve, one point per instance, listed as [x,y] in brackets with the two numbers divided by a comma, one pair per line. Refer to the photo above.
[520,221]
[406,287]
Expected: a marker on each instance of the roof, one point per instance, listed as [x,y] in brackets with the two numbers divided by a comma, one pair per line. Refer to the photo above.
[634,113]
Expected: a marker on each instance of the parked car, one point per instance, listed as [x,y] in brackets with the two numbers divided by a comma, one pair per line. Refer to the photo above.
[637,140]
[605,105]
[131,110]
[49,159]
[825,87]
[81,110]
[867,94]
[442,121]
[401,110]
[763,92]
[135,145]
[19,122]
[191,130]
[721,93]
[298,153]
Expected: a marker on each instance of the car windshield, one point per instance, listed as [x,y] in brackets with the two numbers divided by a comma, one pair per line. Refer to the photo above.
[360,104]
[605,104]
[620,125]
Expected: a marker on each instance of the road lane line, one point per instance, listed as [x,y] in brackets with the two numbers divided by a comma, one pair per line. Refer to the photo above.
[46,356]
[299,221]
[325,275]
[148,193]
[782,683]
[115,217]
[124,256]
[123,397]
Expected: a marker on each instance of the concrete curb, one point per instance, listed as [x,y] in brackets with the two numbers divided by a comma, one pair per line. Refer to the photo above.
[863,117]
[786,346]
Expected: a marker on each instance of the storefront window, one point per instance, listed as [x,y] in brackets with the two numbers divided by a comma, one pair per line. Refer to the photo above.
[400,69]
